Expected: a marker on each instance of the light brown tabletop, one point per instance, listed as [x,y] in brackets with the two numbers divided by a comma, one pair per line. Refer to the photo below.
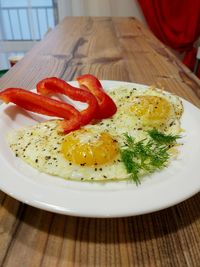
[112,49]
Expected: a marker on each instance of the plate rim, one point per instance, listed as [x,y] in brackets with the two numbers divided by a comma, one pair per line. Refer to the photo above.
[106,214]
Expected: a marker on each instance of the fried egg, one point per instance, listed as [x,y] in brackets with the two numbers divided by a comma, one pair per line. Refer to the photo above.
[93,152]
[143,110]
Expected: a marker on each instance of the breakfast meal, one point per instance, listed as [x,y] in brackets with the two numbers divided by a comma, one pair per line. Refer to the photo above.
[124,133]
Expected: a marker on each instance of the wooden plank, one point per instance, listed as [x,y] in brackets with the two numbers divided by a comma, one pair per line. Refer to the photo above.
[115,49]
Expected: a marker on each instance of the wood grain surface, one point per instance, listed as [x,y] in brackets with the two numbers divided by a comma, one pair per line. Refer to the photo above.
[113,49]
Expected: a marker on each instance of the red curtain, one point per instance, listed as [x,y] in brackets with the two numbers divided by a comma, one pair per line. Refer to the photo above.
[176,23]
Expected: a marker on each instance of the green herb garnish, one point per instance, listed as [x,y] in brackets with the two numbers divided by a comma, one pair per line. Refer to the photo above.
[163,138]
[147,155]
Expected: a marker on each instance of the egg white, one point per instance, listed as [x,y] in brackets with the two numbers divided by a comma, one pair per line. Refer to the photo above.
[40,145]
[124,119]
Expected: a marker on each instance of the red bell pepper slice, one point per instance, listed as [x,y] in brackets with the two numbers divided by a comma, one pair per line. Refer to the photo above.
[107,106]
[44,105]
[53,85]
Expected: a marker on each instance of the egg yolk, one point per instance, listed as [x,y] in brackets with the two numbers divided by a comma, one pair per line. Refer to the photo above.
[151,108]
[86,148]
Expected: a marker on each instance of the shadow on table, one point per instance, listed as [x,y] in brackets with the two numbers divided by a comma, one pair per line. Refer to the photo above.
[168,235]
[129,229]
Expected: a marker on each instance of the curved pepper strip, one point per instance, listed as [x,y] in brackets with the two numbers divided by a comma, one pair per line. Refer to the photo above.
[53,85]
[44,105]
[107,106]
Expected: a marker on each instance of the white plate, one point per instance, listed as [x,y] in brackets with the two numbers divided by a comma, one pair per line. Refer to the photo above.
[176,183]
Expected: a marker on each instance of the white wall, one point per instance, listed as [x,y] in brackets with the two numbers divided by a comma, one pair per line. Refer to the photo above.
[99,8]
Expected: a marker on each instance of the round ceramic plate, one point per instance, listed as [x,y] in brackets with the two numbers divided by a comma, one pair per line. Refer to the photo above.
[160,190]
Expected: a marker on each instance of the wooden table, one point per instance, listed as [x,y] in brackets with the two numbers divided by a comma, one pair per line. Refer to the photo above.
[114,49]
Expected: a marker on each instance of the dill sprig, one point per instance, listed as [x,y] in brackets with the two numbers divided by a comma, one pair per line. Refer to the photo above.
[163,138]
[147,155]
